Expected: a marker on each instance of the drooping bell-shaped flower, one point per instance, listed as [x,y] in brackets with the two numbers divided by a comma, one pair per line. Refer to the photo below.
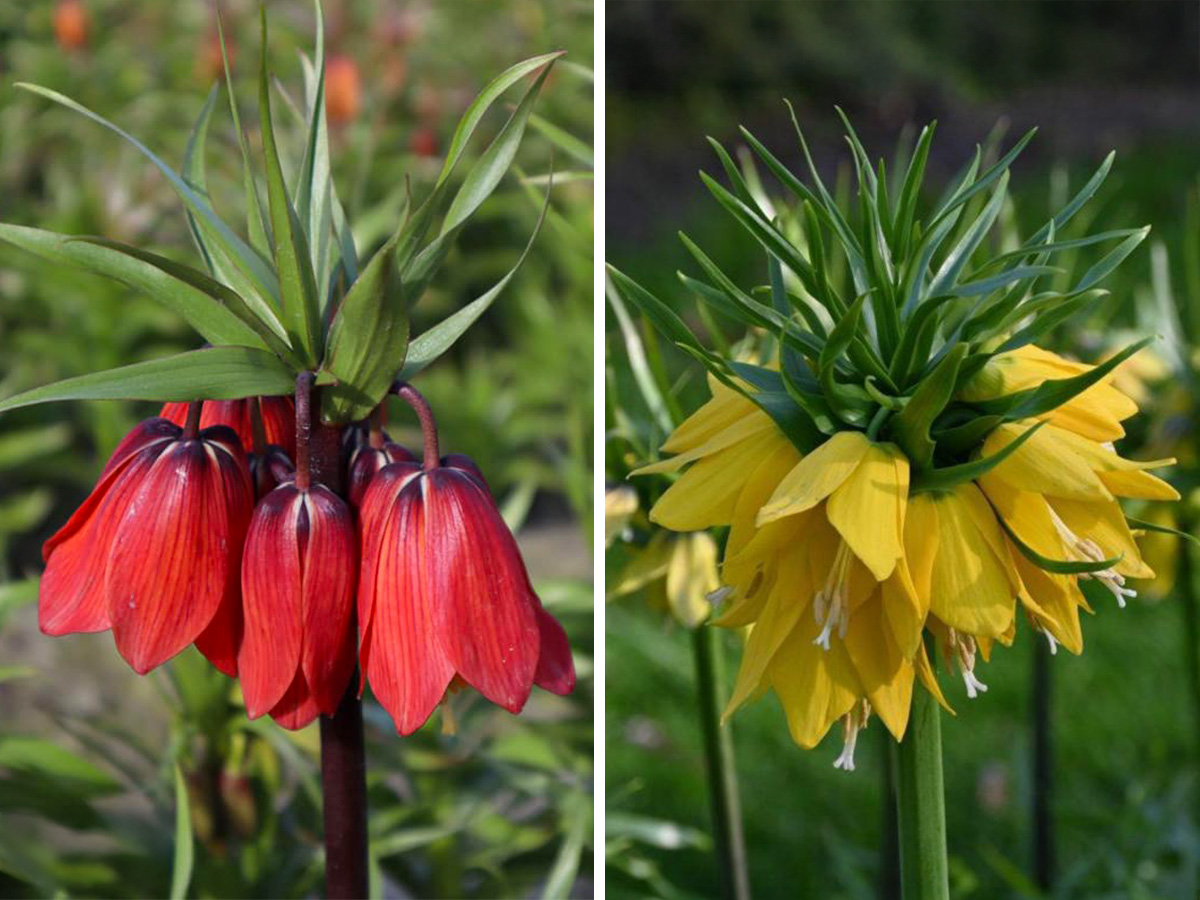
[444,594]
[298,577]
[366,460]
[154,552]
[278,419]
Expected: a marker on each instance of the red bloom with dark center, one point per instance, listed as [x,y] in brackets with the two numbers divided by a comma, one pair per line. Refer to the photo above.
[278,416]
[298,578]
[366,461]
[154,552]
[443,593]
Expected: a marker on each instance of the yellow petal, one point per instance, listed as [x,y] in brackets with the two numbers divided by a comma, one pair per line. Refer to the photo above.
[705,495]
[815,686]
[1027,514]
[904,609]
[1124,477]
[747,428]
[791,598]
[925,672]
[1056,607]
[816,476]
[780,456]
[1043,465]
[868,508]
[1105,524]
[886,676]
[691,577]
[969,584]
[726,407]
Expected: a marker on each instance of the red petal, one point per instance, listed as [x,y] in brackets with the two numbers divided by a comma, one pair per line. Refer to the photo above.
[269,657]
[330,571]
[400,655]
[464,463]
[174,412]
[171,556]
[555,668]
[279,422]
[296,708]
[221,640]
[473,568]
[71,593]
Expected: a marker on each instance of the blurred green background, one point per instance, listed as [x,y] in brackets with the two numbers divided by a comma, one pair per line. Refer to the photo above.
[1093,78]
[88,750]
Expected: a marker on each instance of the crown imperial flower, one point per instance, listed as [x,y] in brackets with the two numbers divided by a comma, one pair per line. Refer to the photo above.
[910,463]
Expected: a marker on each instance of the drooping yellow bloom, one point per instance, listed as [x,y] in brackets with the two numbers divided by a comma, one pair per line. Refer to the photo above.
[840,567]
[678,573]
[1096,413]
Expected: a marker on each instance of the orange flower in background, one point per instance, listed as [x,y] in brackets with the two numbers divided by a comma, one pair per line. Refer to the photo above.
[72,24]
[343,90]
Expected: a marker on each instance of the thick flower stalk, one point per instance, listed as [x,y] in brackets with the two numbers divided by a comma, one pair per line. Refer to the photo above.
[911,467]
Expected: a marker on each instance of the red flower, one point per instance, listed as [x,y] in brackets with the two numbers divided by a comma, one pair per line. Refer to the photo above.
[278,415]
[365,461]
[155,549]
[298,579]
[444,592]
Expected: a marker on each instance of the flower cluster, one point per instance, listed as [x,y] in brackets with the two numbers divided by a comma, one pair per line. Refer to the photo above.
[910,468]
[277,580]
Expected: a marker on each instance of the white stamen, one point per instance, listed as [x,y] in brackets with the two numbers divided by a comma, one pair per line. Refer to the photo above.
[1087,549]
[1052,641]
[853,722]
[975,687]
[719,596]
[830,603]
[963,647]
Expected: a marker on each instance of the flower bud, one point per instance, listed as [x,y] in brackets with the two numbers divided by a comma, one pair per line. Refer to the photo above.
[298,580]
[366,461]
[155,549]
[444,593]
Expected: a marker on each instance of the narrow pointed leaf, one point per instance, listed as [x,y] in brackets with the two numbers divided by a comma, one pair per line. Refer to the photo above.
[949,477]
[214,373]
[1057,566]
[297,288]
[910,427]
[211,320]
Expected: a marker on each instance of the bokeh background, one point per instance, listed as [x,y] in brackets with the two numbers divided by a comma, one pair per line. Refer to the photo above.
[1093,78]
[87,749]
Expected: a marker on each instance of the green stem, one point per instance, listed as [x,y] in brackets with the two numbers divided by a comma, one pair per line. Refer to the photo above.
[920,803]
[726,806]
[1043,769]
[1185,579]
[889,869]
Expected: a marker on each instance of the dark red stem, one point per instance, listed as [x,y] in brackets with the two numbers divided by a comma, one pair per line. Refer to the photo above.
[191,427]
[304,383]
[343,758]
[420,405]
[375,434]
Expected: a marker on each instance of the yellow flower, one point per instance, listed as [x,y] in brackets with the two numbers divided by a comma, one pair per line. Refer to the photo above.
[1096,413]
[839,566]
[620,504]
[678,573]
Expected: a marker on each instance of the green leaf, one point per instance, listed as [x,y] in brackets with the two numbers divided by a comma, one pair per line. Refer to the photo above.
[228,298]
[566,862]
[256,222]
[1111,260]
[1161,529]
[959,439]
[480,105]
[564,140]
[949,477]
[910,427]
[181,868]
[661,316]
[193,169]
[433,342]
[1057,566]
[368,340]
[314,194]
[219,235]
[957,259]
[28,756]
[298,291]
[214,373]
[213,321]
